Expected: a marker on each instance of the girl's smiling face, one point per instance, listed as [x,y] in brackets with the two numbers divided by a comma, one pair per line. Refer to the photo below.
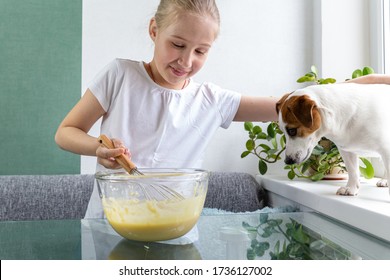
[181,48]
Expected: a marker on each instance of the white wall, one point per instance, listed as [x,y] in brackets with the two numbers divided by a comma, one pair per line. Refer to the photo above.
[264,46]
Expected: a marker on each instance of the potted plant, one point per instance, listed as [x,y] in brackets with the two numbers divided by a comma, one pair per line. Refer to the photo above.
[325,159]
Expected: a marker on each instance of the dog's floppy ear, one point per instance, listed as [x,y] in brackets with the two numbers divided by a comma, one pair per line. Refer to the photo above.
[303,109]
[281,101]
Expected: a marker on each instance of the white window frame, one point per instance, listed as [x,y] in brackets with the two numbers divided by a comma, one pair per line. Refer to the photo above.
[379,50]
[380,35]
[386,36]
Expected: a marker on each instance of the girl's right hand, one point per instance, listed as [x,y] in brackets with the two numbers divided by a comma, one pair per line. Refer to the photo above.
[106,157]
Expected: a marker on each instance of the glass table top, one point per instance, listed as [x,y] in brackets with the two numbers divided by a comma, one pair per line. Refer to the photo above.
[297,235]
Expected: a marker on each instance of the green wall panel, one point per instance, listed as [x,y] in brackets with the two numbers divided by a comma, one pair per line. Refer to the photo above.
[40,80]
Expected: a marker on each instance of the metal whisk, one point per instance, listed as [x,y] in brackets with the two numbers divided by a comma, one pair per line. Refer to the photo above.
[151,189]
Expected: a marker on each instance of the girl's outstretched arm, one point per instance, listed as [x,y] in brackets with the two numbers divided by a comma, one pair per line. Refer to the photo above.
[372,79]
[257,108]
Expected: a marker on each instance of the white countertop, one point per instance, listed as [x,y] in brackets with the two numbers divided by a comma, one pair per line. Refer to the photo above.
[368,211]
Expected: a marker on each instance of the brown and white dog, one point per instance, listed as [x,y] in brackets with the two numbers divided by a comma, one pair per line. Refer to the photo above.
[355,117]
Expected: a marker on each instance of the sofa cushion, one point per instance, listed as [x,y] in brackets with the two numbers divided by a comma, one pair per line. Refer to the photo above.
[35,197]
[235,192]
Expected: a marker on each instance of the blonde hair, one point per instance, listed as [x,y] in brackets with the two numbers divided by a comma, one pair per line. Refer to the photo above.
[169,10]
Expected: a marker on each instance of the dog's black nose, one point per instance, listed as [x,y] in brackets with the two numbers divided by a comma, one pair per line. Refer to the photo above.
[289,160]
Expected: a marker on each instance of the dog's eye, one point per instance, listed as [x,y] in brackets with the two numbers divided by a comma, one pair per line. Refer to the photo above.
[291,131]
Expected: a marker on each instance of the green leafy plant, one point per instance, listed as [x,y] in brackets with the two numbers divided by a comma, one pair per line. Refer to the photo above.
[268,145]
[324,159]
[298,242]
[362,72]
[266,153]
[312,76]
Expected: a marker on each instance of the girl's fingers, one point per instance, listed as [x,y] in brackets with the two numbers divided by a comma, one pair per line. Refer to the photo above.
[119,144]
[103,152]
[109,163]
[106,157]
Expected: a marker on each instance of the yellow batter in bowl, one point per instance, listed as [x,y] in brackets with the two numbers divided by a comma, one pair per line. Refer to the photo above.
[135,209]
[153,220]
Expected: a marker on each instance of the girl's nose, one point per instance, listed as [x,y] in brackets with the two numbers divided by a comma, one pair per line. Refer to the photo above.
[185,60]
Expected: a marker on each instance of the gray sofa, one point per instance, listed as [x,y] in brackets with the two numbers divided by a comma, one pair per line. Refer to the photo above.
[34,197]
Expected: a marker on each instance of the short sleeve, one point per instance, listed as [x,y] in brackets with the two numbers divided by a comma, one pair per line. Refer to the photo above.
[227,102]
[103,84]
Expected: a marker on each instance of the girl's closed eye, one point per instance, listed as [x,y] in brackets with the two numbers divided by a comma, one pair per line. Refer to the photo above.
[178,45]
[182,46]
[201,52]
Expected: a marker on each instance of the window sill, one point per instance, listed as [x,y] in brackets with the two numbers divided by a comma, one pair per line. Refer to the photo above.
[369,211]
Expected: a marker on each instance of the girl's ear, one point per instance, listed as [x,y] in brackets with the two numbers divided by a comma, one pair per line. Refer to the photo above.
[153,29]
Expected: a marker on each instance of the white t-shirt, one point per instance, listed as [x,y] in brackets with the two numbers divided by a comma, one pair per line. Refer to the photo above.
[161,127]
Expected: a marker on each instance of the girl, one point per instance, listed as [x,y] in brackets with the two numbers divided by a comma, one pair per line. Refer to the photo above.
[156,109]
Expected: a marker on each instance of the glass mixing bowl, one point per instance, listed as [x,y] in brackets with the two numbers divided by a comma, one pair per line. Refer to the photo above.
[160,205]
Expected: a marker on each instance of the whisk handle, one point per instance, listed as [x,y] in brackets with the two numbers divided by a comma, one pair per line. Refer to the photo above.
[123,160]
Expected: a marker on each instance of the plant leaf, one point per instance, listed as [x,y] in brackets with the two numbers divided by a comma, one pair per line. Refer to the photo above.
[257,129]
[311,75]
[368,70]
[261,135]
[317,176]
[259,252]
[267,233]
[248,126]
[264,245]
[291,174]
[277,247]
[328,81]
[250,254]
[271,130]
[265,147]
[283,141]
[262,167]
[367,171]
[305,166]
[274,143]
[248,227]
[305,79]
[275,222]
[263,218]
[250,145]
[357,73]
[314,69]
[300,235]
[244,154]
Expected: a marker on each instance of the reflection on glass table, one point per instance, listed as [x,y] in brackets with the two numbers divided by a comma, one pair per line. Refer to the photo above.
[297,235]
[300,235]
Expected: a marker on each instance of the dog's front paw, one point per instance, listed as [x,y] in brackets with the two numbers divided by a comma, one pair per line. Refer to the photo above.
[351,191]
[382,183]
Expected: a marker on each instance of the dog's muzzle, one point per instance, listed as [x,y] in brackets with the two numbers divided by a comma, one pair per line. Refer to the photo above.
[297,158]
[289,160]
